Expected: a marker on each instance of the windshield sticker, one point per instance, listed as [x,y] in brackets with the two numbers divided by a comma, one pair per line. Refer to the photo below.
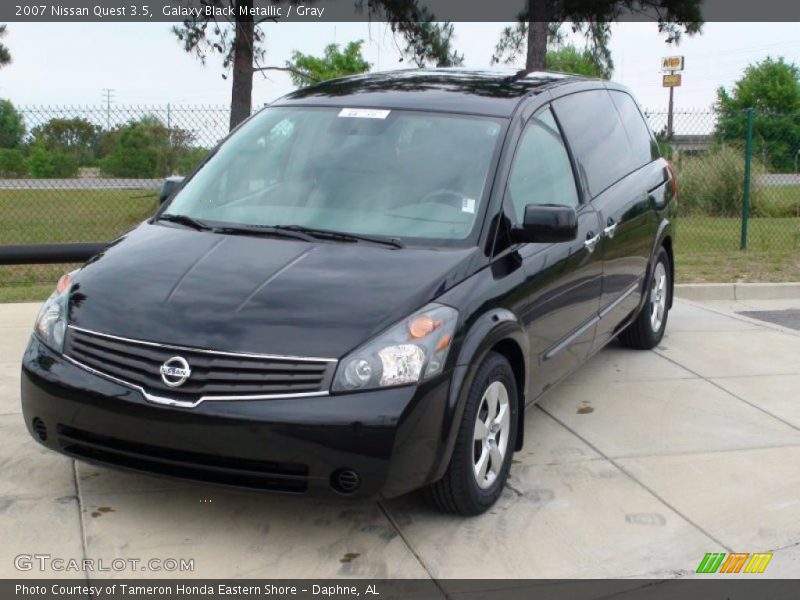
[468,205]
[364,113]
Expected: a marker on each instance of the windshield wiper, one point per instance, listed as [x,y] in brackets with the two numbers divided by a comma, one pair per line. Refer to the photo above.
[234,230]
[341,236]
[297,232]
[264,230]
[184,220]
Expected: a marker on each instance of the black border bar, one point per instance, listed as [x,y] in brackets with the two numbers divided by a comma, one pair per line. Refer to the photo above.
[370,10]
[742,587]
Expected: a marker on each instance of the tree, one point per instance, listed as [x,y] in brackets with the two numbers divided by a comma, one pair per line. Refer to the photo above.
[12,125]
[592,18]
[12,163]
[568,58]
[427,43]
[772,88]
[772,85]
[305,68]
[594,59]
[5,53]
[76,137]
[240,40]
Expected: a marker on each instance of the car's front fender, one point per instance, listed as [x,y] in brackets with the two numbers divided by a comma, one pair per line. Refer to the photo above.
[493,328]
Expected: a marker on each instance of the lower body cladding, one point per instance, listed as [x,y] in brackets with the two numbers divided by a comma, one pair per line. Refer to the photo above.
[380,443]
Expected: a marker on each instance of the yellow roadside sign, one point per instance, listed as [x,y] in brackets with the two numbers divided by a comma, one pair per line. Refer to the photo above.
[672,63]
[672,80]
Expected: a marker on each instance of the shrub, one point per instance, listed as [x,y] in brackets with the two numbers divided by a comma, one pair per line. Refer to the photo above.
[133,155]
[147,148]
[189,160]
[666,148]
[46,164]
[712,183]
[12,163]
[779,201]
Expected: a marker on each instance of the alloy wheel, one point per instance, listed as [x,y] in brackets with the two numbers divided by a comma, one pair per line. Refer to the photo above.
[490,440]
[658,297]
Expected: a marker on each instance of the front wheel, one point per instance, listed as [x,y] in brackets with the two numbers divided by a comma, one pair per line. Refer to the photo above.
[647,330]
[486,439]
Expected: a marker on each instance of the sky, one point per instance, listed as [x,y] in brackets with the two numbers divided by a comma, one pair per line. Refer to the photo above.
[66,64]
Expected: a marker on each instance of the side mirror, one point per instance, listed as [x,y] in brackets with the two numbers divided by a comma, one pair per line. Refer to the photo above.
[168,187]
[548,224]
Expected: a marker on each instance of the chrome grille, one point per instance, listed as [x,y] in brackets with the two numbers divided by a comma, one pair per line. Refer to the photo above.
[214,375]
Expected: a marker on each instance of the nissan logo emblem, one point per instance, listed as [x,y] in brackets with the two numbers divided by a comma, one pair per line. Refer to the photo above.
[175,371]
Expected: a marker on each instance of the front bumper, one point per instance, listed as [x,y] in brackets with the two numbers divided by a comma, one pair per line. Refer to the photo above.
[392,438]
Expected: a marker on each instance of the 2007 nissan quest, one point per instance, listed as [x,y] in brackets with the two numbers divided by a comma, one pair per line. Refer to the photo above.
[364,287]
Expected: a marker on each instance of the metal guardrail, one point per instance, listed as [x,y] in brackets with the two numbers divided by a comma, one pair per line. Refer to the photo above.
[48,254]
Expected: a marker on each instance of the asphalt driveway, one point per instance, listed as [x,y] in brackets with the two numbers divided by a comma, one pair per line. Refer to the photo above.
[637,466]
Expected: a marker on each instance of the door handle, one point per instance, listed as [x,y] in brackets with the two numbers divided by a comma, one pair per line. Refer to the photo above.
[611,229]
[591,241]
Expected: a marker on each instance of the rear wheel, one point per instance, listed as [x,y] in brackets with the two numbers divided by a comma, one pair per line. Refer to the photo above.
[486,438]
[648,328]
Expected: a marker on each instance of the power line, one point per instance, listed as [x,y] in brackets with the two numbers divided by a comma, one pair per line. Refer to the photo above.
[108,93]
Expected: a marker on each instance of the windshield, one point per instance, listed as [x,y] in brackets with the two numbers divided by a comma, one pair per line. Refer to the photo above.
[398,174]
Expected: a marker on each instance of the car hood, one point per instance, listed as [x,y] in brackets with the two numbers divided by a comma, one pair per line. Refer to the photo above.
[253,294]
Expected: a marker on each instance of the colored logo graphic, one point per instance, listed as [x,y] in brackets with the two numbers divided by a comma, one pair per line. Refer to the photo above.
[716,562]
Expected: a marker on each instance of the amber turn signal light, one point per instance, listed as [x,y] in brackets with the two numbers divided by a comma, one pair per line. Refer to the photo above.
[63,283]
[423,326]
[444,341]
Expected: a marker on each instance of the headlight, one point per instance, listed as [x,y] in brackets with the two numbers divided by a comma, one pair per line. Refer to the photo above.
[413,350]
[51,324]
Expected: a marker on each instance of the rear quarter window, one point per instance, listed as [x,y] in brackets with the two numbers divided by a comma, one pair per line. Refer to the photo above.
[597,137]
[643,144]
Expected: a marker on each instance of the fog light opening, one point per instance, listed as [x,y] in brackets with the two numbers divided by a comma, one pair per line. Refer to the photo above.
[345,481]
[40,429]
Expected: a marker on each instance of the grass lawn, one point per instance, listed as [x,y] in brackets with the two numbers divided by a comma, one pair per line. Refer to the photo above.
[717,234]
[748,267]
[41,216]
[73,215]
[25,292]
[707,248]
[777,201]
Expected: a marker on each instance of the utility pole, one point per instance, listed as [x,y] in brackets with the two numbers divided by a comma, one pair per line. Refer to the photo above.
[108,94]
[169,124]
[669,114]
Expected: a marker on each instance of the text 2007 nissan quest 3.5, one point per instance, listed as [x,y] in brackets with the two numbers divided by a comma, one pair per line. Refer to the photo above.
[364,288]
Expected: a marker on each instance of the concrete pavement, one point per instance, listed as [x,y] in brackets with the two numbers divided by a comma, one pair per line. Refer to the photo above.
[636,466]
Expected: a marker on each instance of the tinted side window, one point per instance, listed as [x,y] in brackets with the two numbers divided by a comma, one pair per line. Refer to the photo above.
[643,146]
[541,172]
[596,136]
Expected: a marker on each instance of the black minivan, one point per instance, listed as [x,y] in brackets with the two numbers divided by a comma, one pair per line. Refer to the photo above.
[363,288]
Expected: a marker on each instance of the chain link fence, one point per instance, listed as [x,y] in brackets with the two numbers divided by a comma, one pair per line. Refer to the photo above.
[87,174]
[711,155]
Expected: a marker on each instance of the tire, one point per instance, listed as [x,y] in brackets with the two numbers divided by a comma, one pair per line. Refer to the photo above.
[460,491]
[647,330]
